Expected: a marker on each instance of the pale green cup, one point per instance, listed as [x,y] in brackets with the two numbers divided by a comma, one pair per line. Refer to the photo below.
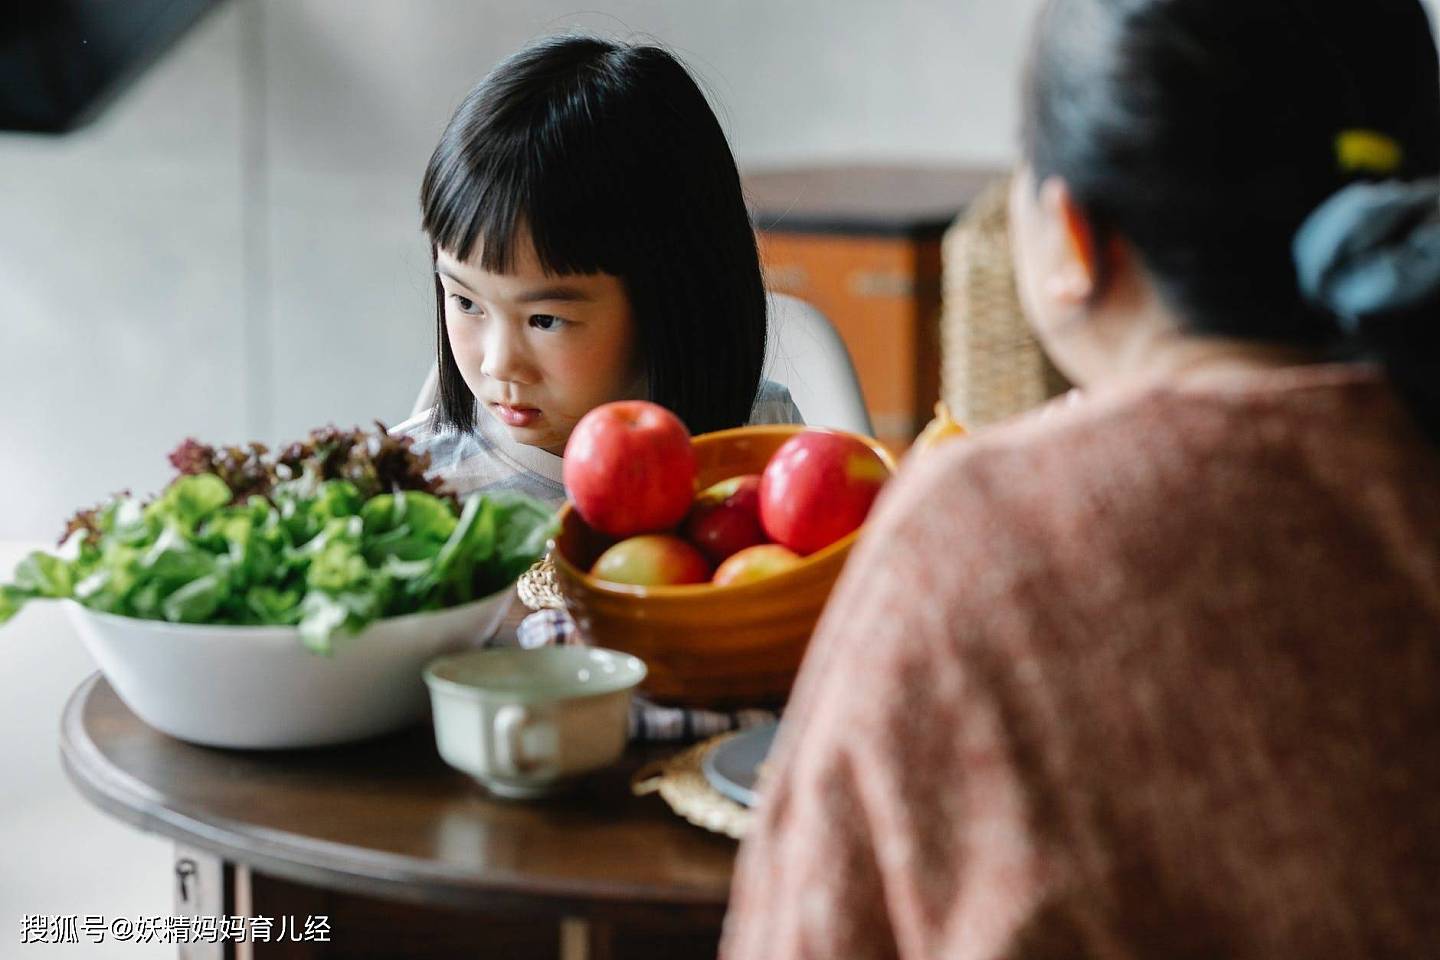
[525,722]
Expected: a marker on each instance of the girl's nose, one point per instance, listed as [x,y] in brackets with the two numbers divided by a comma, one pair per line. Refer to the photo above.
[505,357]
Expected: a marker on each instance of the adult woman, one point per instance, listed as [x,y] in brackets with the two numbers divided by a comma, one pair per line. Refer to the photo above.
[1155,674]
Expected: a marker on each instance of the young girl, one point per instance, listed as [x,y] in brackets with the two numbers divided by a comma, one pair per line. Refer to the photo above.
[1155,675]
[591,243]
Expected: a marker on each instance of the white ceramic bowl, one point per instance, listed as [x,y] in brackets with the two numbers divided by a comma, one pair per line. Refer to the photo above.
[259,688]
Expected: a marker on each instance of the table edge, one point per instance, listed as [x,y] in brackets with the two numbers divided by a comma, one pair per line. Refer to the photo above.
[391,876]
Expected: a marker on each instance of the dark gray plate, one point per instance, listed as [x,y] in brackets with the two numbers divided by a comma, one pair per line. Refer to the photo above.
[733,767]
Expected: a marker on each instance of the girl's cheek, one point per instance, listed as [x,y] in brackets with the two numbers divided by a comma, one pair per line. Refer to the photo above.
[596,372]
[569,371]
[465,348]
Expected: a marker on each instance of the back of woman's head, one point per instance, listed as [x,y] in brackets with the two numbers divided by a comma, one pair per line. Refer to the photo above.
[1206,134]
[608,158]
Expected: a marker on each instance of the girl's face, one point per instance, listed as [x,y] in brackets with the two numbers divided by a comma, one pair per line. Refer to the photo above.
[539,351]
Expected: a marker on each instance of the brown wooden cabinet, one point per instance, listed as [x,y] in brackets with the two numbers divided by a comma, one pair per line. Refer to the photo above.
[862,243]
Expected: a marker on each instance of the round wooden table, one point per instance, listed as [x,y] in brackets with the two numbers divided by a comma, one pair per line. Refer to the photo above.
[403,854]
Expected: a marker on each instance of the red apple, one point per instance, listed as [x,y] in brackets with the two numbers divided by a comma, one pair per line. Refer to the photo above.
[726,517]
[652,560]
[742,491]
[818,487]
[629,468]
[755,563]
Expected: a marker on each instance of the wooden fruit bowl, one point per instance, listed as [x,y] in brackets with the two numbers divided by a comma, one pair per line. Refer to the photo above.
[706,646]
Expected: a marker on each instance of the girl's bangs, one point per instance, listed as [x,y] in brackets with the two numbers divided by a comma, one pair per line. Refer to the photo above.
[497,206]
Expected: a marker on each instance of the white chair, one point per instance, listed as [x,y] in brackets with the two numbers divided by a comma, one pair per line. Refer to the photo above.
[803,353]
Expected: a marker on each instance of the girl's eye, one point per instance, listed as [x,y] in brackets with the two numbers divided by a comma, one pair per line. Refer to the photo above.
[465,304]
[543,321]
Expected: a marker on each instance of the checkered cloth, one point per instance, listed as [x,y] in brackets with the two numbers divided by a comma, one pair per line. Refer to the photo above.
[648,721]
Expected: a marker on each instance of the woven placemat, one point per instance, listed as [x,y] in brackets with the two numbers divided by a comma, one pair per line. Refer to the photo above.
[681,783]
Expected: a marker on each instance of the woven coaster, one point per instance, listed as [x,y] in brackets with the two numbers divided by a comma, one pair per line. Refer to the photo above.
[538,588]
[681,782]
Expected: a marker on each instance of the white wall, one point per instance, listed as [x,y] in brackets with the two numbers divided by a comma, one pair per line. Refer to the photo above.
[232,250]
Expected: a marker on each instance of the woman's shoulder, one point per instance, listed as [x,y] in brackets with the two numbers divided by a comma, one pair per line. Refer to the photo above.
[1170,458]
[773,404]
[1130,424]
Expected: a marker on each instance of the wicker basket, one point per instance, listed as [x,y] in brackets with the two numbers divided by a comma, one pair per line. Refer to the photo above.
[993,366]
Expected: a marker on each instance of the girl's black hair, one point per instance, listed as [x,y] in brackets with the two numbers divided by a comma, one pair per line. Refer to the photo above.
[611,159]
[1205,133]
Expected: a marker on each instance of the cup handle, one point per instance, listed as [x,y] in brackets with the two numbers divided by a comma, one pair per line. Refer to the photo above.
[511,722]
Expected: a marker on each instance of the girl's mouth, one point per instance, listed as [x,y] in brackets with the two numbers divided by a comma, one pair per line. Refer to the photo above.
[515,416]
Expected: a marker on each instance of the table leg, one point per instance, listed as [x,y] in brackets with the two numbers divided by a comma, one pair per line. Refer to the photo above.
[606,940]
[575,939]
[289,905]
[204,887]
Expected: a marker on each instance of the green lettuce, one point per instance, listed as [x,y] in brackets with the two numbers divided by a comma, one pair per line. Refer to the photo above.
[315,547]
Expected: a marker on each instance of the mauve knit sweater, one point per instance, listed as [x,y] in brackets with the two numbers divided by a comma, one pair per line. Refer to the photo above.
[1152,675]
